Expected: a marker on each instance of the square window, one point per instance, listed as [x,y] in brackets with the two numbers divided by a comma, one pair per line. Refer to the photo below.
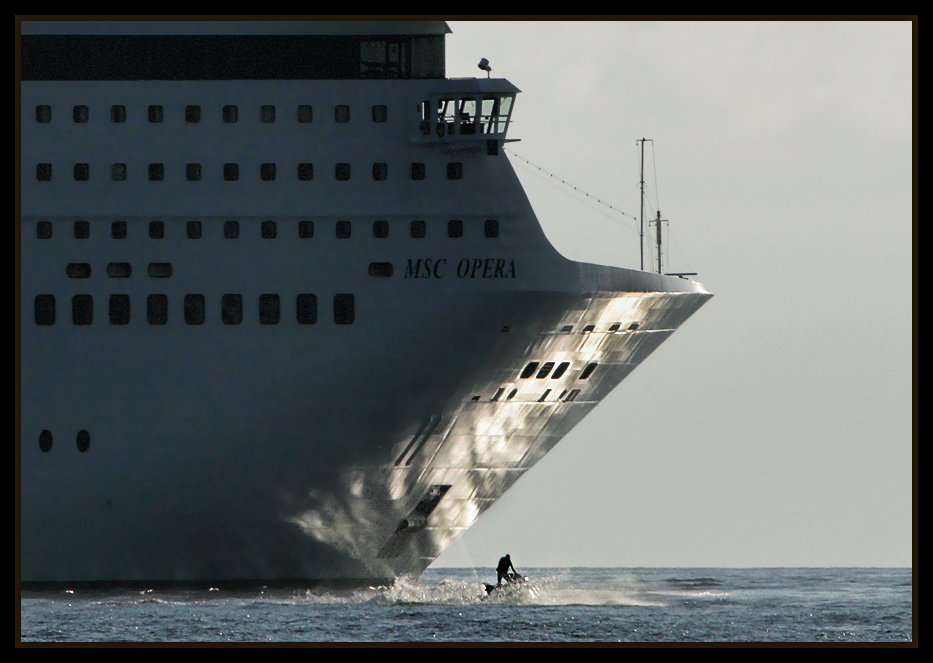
[343,229]
[194,230]
[379,113]
[159,270]
[269,309]
[380,171]
[417,171]
[118,172]
[44,230]
[43,114]
[157,309]
[79,114]
[305,171]
[231,229]
[306,309]
[418,229]
[231,172]
[193,172]
[304,114]
[455,171]
[231,309]
[192,114]
[155,114]
[44,172]
[231,114]
[491,228]
[82,229]
[268,230]
[118,114]
[380,229]
[194,309]
[492,148]
[82,172]
[156,172]
[342,114]
[342,171]
[344,309]
[267,172]
[306,229]
[455,228]
[44,307]
[82,309]
[268,114]
[119,309]
[156,229]
[118,230]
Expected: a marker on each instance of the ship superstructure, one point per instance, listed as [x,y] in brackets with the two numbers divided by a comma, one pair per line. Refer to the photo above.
[286,312]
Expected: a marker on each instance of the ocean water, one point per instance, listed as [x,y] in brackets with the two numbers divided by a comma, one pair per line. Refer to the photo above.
[556,605]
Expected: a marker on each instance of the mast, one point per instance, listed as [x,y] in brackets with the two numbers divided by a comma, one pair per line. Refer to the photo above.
[641,216]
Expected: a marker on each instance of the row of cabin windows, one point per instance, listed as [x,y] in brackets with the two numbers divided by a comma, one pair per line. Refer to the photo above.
[548,366]
[230,114]
[268,229]
[231,172]
[83,441]
[195,309]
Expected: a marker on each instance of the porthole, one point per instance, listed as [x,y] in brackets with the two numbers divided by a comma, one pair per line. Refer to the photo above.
[383,269]
[343,229]
[344,309]
[44,230]
[418,229]
[269,309]
[380,229]
[45,310]
[304,114]
[160,270]
[231,309]
[306,308]
[118,230]
[194,309]
[267,172]
[82,229]
[231,114]
[118,172]
[342,172]
[455,228]
[193,172]
[119,270]
[305,172]
[44,172]
[268,230]
[45,441]
[156,229]
[84,441]
[305,229]
[194,230]
[43,114]
[192,114]
[78,270]
[82,309]
[231,229]
[119,309]
[118,114]
[156,172]
[157,309]
[79,114]
[82,172]
[455,171]
[231,172]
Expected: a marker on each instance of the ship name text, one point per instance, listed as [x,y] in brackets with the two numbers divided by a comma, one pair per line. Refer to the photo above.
[467,268]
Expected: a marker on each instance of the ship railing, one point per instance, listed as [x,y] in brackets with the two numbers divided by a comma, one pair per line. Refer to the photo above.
[448,119]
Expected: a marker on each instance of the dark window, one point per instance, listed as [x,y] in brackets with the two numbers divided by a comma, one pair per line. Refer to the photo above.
[511,394]
[44,230]
[343,171]
[305,171]
[492,148]
[43,172]
[157,309]
[380,269]
[455,171]
[633,326]
[45,441]
[231,229]
[588,371]
[118,114]
[82,229]
[159,270]
[194,309]
[79,114]
[380,171]
[491,228]
[544,395]
[342,114]
[268,230]
[119,309]
[118,172]
[545,370]
[380,229]
[156,229]
[344,309]
[530,369]
[588,328]
[418,229]
[566,329]
[155,114]
[268,309]
[267,172]
[83,441]
[156,172]
[231,309]
[43,114]
[499,392]
[119,270]
[343,229]
[192,114]
[379,113]
[306,229]
[572,395]
[417,171]
[455,228]
[193,172]
[230,114]
[82,309]
[614,327]
[306,307]
[194,230]
[304,114]
[118,230]
[82,172]
[561,369]
[45,309]
[78,270]
[231,172]
[267,113]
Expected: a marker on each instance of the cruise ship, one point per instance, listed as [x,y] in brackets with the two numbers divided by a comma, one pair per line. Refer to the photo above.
[287,315]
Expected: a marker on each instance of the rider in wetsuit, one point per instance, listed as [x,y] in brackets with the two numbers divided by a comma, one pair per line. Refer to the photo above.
[503,569]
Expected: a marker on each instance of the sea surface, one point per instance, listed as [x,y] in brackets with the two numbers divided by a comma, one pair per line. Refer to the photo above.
[451,605]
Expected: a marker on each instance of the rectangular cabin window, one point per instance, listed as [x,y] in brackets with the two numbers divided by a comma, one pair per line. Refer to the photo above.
[156,229]
[418,229]
[82,229]
[268,230]
[267,114]
[305,172]
[306,309]
[383,269]
[269,309]
[43,172]
[157,309]
[194,309]
[118,114]
[118,172]
[82,172]
[455,228]
[119,309]
[44,310]
[159,270]
[119,270]
[491,228]
[156,114]
[344,309]
[194,230]
[82,309]
[455,171]
[44,230]
[231,172]
[380,171]
[342,172]
[79,114]
[380,229]
[156,172]
[231,229]
[427,57]
[78,270]
[192,114]
[305,229]
[193,172]
[380,113]
[417,171]
[267,172]
[304,114]
[231,309]
[343,229]
[342,114]
[231,114]
[43,114]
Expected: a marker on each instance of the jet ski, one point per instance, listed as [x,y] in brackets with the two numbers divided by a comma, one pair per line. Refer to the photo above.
[513,581]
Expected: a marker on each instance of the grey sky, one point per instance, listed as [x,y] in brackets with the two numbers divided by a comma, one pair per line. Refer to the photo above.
[774,428]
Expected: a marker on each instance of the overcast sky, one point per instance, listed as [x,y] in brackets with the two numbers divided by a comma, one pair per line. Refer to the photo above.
[774,428]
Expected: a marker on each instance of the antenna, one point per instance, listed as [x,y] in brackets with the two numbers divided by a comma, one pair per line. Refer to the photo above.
[659,221]
[641,216]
